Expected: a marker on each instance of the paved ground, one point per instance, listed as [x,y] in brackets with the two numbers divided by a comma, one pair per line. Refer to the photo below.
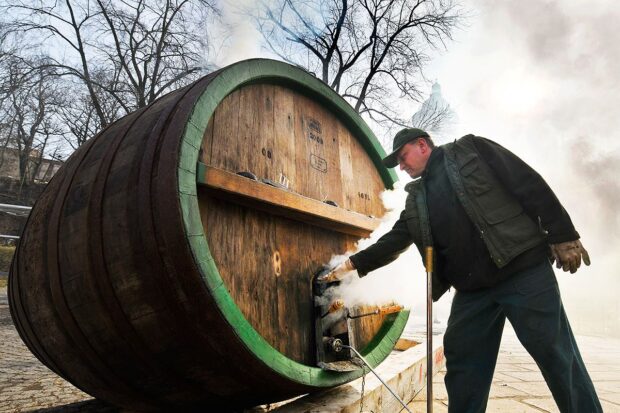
[26,385]
[519,387]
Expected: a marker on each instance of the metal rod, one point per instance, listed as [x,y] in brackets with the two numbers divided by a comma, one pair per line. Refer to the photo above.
[11,207]
[335,306]
[380,379]
[353,317]
[381,310]
[429,329]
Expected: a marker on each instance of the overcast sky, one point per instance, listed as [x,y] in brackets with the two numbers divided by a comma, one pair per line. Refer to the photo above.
[541,78]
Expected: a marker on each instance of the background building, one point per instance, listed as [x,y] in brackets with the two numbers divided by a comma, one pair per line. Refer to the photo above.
[436,117]
[17,191]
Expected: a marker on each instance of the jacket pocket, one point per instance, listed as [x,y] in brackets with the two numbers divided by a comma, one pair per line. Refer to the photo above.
[503,213]
[473,176]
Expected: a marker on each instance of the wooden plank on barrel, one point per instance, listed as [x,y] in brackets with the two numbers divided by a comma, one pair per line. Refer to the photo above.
[365,328]
[285,203]
[224,151]
[322,133]
[292,288]
[294,295]
[320,156]
[284,136]
[366,192]
[256,130]
[302,184]
[361,183]
[347,176]
[256,126]
[207,143]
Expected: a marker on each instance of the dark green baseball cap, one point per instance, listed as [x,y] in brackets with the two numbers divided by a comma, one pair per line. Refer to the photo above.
[401,139]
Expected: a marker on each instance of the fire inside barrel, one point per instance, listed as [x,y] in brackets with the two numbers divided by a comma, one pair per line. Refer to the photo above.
[151,274]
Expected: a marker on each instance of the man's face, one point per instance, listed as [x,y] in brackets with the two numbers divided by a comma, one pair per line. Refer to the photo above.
[412,157]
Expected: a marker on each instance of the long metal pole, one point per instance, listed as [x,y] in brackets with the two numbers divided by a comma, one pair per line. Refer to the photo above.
[380,379]
[429,329]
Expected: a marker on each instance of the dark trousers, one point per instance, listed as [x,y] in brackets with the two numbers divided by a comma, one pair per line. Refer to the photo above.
[531,301]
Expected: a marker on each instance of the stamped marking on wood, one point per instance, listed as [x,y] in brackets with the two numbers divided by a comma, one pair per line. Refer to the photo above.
[315,131]
[318,163]
[314,125]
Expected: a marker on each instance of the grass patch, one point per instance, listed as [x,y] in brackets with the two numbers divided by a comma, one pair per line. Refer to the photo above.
[6,255]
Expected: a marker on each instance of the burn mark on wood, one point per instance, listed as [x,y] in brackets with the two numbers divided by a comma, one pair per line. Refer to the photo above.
[266,152]
[277,263]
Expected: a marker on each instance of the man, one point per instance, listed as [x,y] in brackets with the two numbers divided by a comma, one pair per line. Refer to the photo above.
[494,224]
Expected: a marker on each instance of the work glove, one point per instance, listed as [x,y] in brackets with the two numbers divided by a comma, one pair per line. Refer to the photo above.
[338,272]
[568,255]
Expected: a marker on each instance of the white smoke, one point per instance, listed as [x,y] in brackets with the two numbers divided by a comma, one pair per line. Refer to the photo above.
[541,78]
[241,38]
[402,281]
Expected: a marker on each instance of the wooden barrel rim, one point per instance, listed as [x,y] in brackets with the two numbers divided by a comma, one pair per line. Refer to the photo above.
[224,83]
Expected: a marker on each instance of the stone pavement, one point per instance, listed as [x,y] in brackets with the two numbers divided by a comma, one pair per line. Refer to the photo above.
[518,385]
[26,385]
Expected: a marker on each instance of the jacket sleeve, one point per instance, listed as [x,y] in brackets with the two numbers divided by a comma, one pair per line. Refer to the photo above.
[385,250]
[530,189]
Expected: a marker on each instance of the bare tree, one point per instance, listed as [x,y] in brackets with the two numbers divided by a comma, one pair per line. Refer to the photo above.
[78,113]
[366,50]
[122,54]
[432,116]
[29,96]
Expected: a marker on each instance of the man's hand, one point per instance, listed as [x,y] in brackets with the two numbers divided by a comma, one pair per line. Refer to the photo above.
[338,272]
[568,255]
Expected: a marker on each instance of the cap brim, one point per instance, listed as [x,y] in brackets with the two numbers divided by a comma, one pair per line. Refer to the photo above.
[391,160]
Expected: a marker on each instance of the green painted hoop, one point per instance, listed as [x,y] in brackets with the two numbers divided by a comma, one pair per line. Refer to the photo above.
[226,81]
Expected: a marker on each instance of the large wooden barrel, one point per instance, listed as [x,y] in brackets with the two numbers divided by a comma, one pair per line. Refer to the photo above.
[151,275]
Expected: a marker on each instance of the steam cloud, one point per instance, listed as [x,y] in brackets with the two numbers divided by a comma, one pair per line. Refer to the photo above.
[541,78]
[402,282]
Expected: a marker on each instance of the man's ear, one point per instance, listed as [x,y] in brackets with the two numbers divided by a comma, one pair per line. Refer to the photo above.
[423,145]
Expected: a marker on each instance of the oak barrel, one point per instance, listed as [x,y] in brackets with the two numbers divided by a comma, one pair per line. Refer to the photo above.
[151,275]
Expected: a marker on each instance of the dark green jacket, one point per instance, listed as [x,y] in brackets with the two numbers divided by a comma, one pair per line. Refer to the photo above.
[499,217]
